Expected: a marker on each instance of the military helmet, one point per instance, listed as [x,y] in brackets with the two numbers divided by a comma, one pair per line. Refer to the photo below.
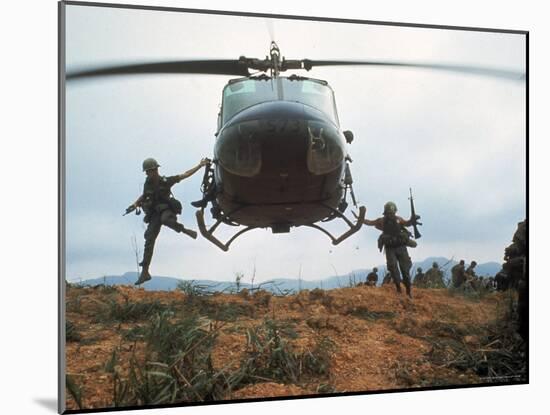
[419,269]
[435,265]
[390,207]
[375,269]
[149,164]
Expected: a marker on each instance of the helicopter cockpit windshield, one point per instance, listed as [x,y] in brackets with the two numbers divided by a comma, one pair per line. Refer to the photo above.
[241,94]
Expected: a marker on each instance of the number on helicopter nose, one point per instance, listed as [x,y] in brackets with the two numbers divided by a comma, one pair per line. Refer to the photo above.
[283,126]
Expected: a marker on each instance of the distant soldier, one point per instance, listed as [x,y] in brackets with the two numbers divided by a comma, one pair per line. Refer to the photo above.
[515,267]
[394,240]
[419,279]
[501,281]
[470,271]
[458,274]
[514,255]
[491,284]
[372,278]
[434,277]
[161,208]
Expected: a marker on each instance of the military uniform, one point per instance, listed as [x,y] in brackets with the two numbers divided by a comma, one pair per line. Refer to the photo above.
[419,279]
[161,208]
[387,279]
[470,271]
[372,278]
[394,240]
[458,276]
[434,277]
[515,269]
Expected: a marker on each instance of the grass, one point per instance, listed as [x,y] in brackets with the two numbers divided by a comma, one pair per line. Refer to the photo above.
[495,351]
[227,311]
[71,333]
[366,314]
[469,293]
[74,390]
[127,311]
[178,363]
[270,356]
[177,366]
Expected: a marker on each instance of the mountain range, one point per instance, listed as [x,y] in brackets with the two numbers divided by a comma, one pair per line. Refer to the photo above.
[282,285]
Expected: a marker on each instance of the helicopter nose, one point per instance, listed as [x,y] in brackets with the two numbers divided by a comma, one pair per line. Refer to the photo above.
[279,138]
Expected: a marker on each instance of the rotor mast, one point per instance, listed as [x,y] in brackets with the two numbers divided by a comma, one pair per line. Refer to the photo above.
[274,63]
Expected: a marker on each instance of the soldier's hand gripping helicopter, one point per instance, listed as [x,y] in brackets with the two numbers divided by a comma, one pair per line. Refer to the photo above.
[280,157]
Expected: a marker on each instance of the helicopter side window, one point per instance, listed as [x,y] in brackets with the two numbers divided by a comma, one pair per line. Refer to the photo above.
[243,94]
[324,154]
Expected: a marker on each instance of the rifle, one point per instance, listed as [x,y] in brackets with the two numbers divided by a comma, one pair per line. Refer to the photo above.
[414,218]
[131,208]
[348,181]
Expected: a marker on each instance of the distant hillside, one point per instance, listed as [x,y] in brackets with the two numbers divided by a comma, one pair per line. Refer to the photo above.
[277,285]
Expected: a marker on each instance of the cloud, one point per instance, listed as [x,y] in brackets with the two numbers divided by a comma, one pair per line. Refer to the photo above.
[458,140]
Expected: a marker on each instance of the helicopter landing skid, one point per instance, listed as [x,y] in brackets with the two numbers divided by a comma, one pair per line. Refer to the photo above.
[209,233]
[353,228]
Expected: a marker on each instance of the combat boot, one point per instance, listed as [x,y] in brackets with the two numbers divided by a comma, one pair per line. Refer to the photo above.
[200,203]
[398,287]
[143,277]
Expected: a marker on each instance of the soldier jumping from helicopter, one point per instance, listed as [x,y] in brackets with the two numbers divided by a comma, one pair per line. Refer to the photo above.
[160,207]
[395,239]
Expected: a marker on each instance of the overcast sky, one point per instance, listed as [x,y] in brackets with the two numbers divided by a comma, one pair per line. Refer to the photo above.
[458,140]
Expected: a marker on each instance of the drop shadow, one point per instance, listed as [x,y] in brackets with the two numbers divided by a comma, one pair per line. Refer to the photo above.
[48,403]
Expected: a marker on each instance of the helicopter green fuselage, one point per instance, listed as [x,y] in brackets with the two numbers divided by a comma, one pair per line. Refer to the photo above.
[280,154]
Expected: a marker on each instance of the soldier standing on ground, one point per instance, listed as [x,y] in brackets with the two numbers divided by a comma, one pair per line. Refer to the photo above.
[471,269]
[161,208]
[515,267]
[394,240]
[434,277]
[457,274]
[471,277]
[419,279]
[372,277]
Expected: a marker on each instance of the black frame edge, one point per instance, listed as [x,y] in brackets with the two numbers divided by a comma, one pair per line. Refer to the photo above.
[61,329]
[290,17]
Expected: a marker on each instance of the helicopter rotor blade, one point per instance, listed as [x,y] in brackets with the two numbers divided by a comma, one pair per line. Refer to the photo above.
[211,66]
[474,70]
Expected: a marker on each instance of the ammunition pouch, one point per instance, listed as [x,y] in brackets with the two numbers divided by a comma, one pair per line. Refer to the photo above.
[147,206]
[175,205]
[390,241]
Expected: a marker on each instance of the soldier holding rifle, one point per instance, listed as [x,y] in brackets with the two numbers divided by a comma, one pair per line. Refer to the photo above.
[160,207]
[394,240]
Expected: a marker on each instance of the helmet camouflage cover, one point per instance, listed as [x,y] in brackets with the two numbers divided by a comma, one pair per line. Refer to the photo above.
[390,207]
[149,164]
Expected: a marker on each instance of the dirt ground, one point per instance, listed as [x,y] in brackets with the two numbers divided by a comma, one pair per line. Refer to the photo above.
[381,340]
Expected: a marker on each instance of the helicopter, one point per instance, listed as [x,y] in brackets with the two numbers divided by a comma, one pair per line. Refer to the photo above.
[280,157]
